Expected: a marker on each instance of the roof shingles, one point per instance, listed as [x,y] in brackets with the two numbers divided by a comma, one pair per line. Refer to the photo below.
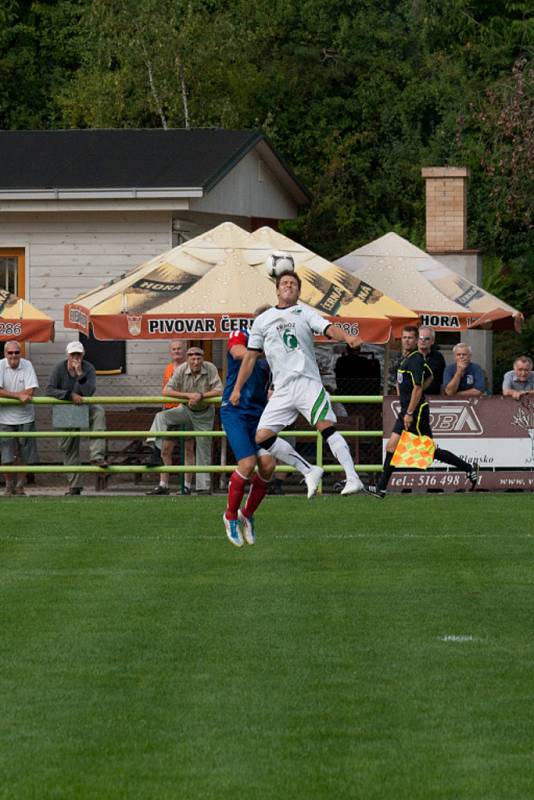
[119,158]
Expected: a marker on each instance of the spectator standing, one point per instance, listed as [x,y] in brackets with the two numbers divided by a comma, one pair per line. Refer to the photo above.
[434,358]
[178,350]
[75,379]
[18,381]
[464,378]
[193,381]
[520,380]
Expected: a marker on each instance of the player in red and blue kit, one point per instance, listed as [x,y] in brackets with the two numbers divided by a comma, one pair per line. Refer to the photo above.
[240,423]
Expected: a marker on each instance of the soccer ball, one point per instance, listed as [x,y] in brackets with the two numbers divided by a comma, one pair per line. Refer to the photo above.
[279,262]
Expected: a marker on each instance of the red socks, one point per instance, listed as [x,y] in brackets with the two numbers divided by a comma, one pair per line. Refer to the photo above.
[258,490]
[236,490]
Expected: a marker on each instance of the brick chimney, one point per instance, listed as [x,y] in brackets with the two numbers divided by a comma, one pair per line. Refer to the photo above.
[446,208]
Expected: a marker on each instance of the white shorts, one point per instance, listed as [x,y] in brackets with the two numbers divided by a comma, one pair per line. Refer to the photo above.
[301,396]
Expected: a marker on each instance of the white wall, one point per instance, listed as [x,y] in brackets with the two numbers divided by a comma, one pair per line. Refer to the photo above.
[250,190]
[69,253]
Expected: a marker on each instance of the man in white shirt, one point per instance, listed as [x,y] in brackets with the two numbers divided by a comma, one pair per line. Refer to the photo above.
[18,382]
[285,333]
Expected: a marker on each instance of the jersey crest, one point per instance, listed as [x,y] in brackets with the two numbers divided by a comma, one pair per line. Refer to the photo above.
[288,334]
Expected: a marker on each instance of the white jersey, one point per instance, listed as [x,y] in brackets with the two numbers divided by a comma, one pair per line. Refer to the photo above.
[286,337]
[16,380]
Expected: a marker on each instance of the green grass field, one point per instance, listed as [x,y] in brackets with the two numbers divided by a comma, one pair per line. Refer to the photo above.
[359,650]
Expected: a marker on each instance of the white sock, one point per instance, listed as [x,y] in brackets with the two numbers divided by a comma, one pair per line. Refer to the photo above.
[283,451]
[341,452]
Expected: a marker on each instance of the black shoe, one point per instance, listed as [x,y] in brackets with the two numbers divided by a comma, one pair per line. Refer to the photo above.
[74,491]
[159,490]
[374,491]
[154,459]
[473,476]
[185,491]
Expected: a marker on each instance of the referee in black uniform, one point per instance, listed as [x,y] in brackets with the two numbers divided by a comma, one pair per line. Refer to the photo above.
[412,375]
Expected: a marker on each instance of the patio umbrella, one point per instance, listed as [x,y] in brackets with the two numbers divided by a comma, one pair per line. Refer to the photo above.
[330,289]
[212,284]
[444,299]
[22,321]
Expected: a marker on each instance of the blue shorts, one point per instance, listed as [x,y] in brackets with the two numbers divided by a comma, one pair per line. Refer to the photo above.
[241,431]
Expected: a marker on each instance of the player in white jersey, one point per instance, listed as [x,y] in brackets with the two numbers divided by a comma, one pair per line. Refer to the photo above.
[285,334]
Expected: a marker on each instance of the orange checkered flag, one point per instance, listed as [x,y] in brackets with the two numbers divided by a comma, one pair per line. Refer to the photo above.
[414,452]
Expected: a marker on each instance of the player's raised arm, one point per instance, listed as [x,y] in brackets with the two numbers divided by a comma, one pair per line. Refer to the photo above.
[340,335]
[245,371]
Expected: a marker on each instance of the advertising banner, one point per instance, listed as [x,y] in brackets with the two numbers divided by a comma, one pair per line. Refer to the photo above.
[498,432]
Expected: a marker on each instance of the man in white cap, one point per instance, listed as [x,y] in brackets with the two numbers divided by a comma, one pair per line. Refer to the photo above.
[18,382]
[74,379]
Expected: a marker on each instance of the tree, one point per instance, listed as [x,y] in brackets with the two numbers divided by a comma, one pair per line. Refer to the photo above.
[154,63]
[39,46]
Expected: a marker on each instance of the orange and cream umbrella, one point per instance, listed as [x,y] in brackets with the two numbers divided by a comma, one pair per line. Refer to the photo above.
[211,285]
[444,299]
[22,321]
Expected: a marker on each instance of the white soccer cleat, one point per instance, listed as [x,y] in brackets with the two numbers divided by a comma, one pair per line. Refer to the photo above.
[352,486]
[312,480]
[247,524]
[233,533]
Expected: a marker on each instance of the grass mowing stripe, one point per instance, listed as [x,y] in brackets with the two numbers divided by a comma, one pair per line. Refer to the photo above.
[172,665]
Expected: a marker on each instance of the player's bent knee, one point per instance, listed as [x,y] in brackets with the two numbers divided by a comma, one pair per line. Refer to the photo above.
[266,444]
[245,466]
[326,433]
[266,465]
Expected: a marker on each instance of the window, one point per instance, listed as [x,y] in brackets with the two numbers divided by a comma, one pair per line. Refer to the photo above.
[12,270]
[11,275]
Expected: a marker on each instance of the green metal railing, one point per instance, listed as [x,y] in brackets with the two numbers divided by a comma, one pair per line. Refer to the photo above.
[135,434]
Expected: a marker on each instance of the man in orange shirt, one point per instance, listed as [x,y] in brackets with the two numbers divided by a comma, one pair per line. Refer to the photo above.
[178,350]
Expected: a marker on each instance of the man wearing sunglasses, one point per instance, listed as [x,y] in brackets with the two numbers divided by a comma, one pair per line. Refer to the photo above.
[17,382]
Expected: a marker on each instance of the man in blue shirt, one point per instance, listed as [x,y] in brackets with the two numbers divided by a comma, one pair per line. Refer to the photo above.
[463,378]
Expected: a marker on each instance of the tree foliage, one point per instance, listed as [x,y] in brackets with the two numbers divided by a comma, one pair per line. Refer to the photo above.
[357,94]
